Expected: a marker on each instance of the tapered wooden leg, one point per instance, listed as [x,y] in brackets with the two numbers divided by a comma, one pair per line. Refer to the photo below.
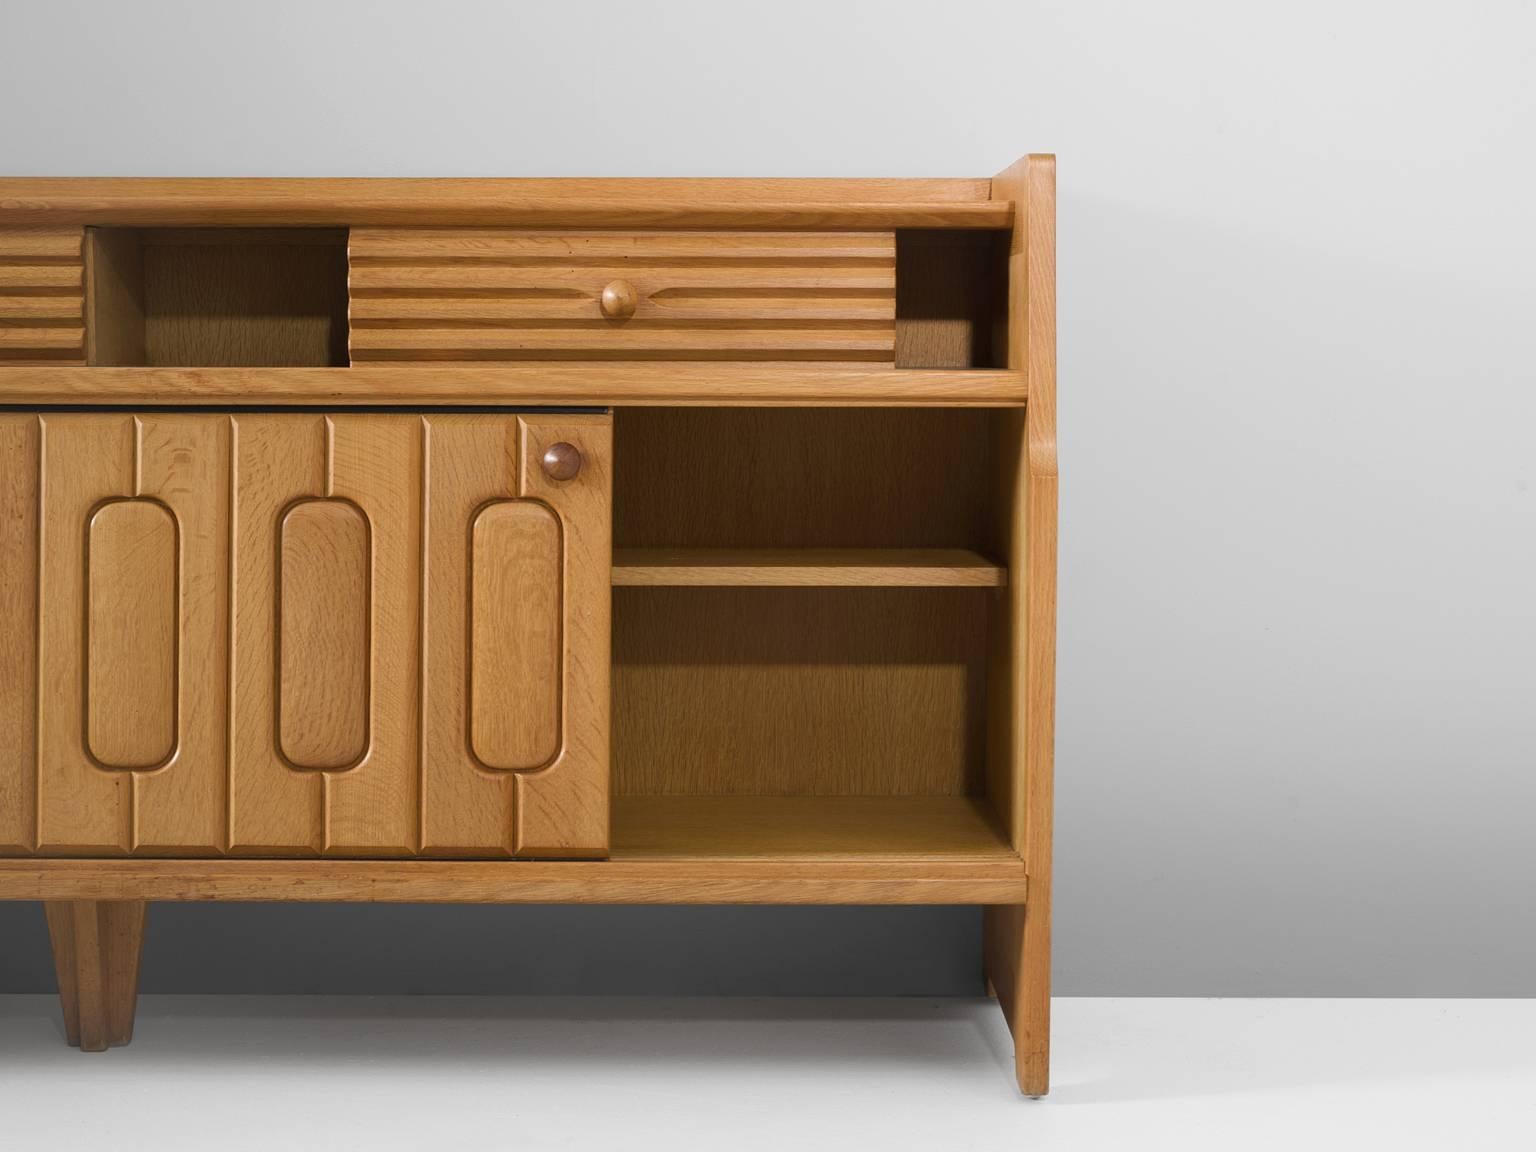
[1017,947]
[96,949]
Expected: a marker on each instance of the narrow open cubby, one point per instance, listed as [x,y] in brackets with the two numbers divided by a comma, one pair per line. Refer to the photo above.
[951,298]
[217,297]
[806,612]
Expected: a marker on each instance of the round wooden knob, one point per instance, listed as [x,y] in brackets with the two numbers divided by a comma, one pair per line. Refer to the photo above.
[619,300]
[562,461]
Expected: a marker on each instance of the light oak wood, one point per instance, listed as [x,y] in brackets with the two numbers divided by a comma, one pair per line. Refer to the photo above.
[86,459]
[288,621]
[951,299]
[42,295]
[218,297]
[619,300]
[517,383]
[133,576]
[114,298]
[515,612]
[96,949]
[563,808]
[1018,938]
[620,880]
[906,828]
[20,484]
[498,294]
[799,691]
[527,203]
[324,622]
[224,626]
[808,567]
[735,478]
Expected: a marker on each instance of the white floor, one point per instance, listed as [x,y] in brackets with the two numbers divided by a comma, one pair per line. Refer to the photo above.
[459,1074]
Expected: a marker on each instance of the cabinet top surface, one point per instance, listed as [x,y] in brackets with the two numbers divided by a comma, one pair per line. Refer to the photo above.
[595,202]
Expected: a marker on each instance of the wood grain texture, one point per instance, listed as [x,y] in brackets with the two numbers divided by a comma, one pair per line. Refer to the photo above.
[185,463]
[951,299]
[20,501]
[217,297]
[114,297]
[562,809]
[378,464]
[529,203]
[482,294]
[806,567]
[86,459]
[132,634]
[282,600]
[740,384]
[324,625]
[986,877]
[42,295]
[279,460]
[1018,939]
[799,691]
[788,478]
[788,828]
[516,609]
[96,951]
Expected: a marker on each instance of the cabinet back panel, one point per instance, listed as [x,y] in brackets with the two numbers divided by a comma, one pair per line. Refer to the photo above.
[802,478]
[218,297]
[799,691]
[951,299]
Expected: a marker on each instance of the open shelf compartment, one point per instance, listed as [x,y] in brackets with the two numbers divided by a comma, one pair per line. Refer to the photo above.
[216,297]
[809,634]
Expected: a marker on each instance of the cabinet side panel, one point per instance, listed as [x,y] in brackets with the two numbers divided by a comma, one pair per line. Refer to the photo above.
[185,464]
[563,809]
[86,460]
[273,809]
[465,810]
[374,808]
[18,626]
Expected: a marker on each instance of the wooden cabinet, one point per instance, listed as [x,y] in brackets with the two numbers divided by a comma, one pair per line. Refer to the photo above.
[289,634]
[528,541]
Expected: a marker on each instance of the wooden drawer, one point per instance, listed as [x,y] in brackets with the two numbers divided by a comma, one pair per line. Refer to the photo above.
[292,634]
[500,294]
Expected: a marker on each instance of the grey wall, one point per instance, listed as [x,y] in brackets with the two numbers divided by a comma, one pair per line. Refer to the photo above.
[1297,737]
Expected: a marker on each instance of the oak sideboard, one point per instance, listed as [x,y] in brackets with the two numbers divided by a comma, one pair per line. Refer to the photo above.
[527,541]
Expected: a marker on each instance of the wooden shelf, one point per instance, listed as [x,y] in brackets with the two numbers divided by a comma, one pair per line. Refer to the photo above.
[912,829]
[810,567]
[666,850]
[522,383]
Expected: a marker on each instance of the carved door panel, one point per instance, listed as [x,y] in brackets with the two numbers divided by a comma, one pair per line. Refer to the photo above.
[292,634]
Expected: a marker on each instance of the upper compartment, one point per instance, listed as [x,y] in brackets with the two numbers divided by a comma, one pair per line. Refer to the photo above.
[505,294]
[725,291]
[217,297]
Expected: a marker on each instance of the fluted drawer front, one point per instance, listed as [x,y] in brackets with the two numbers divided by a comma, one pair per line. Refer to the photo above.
[502,294]
[42,296]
